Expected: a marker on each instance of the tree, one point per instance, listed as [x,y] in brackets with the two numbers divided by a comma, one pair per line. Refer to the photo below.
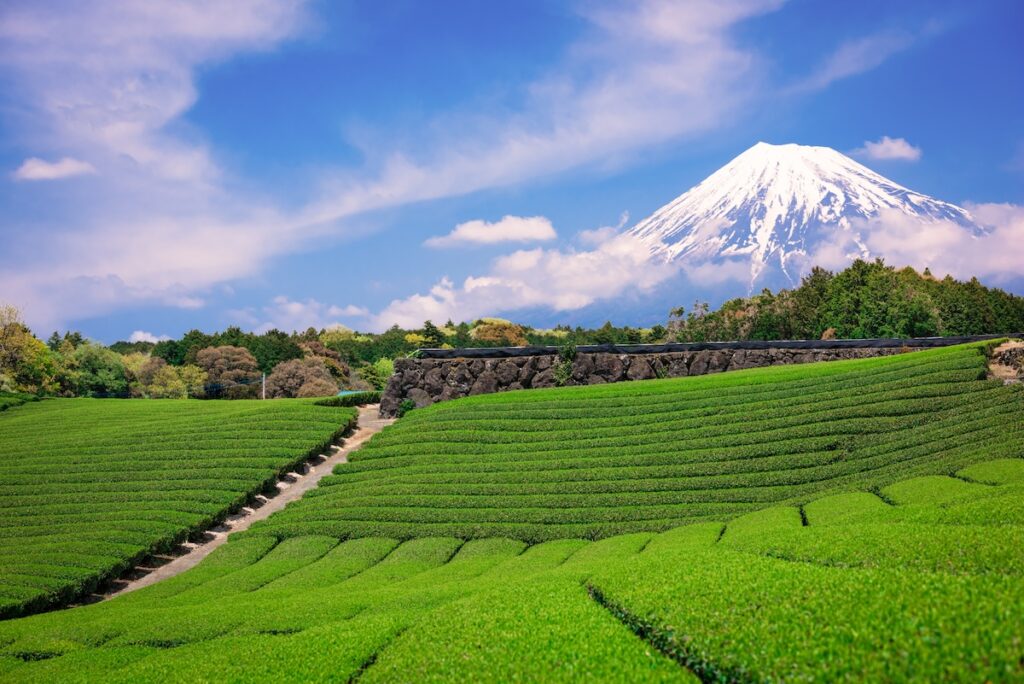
[232,372]
[149,369]
[66,371]
[194,378]
[317,387]
[336,334]
[166,383]
[499,332]
[134,365]
[657,333]
[55,340]
[271,348]
[315,349]
[432,335]
[101,372]
[377,373]
[301,377]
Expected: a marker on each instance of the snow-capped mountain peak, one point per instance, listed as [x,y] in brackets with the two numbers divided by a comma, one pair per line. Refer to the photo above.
[774,202]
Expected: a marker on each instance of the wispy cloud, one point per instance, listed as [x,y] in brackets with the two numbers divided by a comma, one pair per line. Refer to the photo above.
[642,74]
[861,55]
[35,168]
[106,84]
[508,229]
[287,314]
[889,149]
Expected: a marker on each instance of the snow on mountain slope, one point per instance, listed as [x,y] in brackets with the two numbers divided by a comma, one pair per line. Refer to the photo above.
[774,203]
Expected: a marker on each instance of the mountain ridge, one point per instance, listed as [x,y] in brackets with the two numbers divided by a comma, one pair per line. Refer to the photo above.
[774,204]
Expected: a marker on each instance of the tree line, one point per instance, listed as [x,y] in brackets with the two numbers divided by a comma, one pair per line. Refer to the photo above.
[869,299]
[231,364]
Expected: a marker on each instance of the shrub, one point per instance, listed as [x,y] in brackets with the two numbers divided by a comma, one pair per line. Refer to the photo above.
[232,372]
[405,407]
[165,383]
[377,373]
[301,378]
[317,387]
[499,332]
[101,372]
[566,358]
[358,399]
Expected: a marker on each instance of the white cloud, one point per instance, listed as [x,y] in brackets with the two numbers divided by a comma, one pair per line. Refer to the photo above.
[856,57]
[107,83]
[888,149]
[711,273]
[549,278]
[286,314]
[508,229]
[143,336]
[35,168]
[996,256]
[596,236]
[643,73]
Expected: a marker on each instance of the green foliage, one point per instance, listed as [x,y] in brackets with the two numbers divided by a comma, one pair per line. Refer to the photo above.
[406,406]
[758,598]
[376,374]
[563,368]
[432,335]
[232,372]
[268,349]
[602,460]
[12,399]
[357,399]
[307,377]
[100,372]
[87,488]
[867,300]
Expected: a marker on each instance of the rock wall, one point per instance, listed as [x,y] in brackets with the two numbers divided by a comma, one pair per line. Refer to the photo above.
[428,380]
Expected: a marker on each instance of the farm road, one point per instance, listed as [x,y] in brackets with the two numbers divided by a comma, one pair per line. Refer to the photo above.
[291,488]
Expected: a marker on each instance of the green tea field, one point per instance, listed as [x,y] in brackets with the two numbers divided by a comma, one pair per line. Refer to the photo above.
[643,456]
[847,521]
[90,487]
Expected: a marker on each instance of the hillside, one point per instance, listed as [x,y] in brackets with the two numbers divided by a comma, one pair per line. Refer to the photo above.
[90,487]
[628,457]
[897,577]
[749,523]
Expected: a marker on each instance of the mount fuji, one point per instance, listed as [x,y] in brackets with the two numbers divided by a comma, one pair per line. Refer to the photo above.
[775,204]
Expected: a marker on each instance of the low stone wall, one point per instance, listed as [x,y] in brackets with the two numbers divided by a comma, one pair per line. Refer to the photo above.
[439,375]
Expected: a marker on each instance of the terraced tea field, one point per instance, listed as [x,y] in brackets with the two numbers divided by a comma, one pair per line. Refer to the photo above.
[857,521]
[851,587]
[90,487]
[598,461]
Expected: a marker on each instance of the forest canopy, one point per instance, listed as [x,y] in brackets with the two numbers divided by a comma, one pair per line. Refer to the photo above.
[866,300]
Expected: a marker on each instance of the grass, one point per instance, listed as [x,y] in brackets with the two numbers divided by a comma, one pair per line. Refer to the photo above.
[600,461]
[89,487]
[868,597]
[898,561]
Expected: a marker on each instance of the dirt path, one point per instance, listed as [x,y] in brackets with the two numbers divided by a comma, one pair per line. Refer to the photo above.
[1007,374]
[291,488]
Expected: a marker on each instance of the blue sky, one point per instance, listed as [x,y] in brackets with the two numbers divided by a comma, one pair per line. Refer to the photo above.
[281,163]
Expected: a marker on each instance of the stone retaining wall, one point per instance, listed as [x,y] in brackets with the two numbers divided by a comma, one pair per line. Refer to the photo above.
[442,374]
[426,380]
